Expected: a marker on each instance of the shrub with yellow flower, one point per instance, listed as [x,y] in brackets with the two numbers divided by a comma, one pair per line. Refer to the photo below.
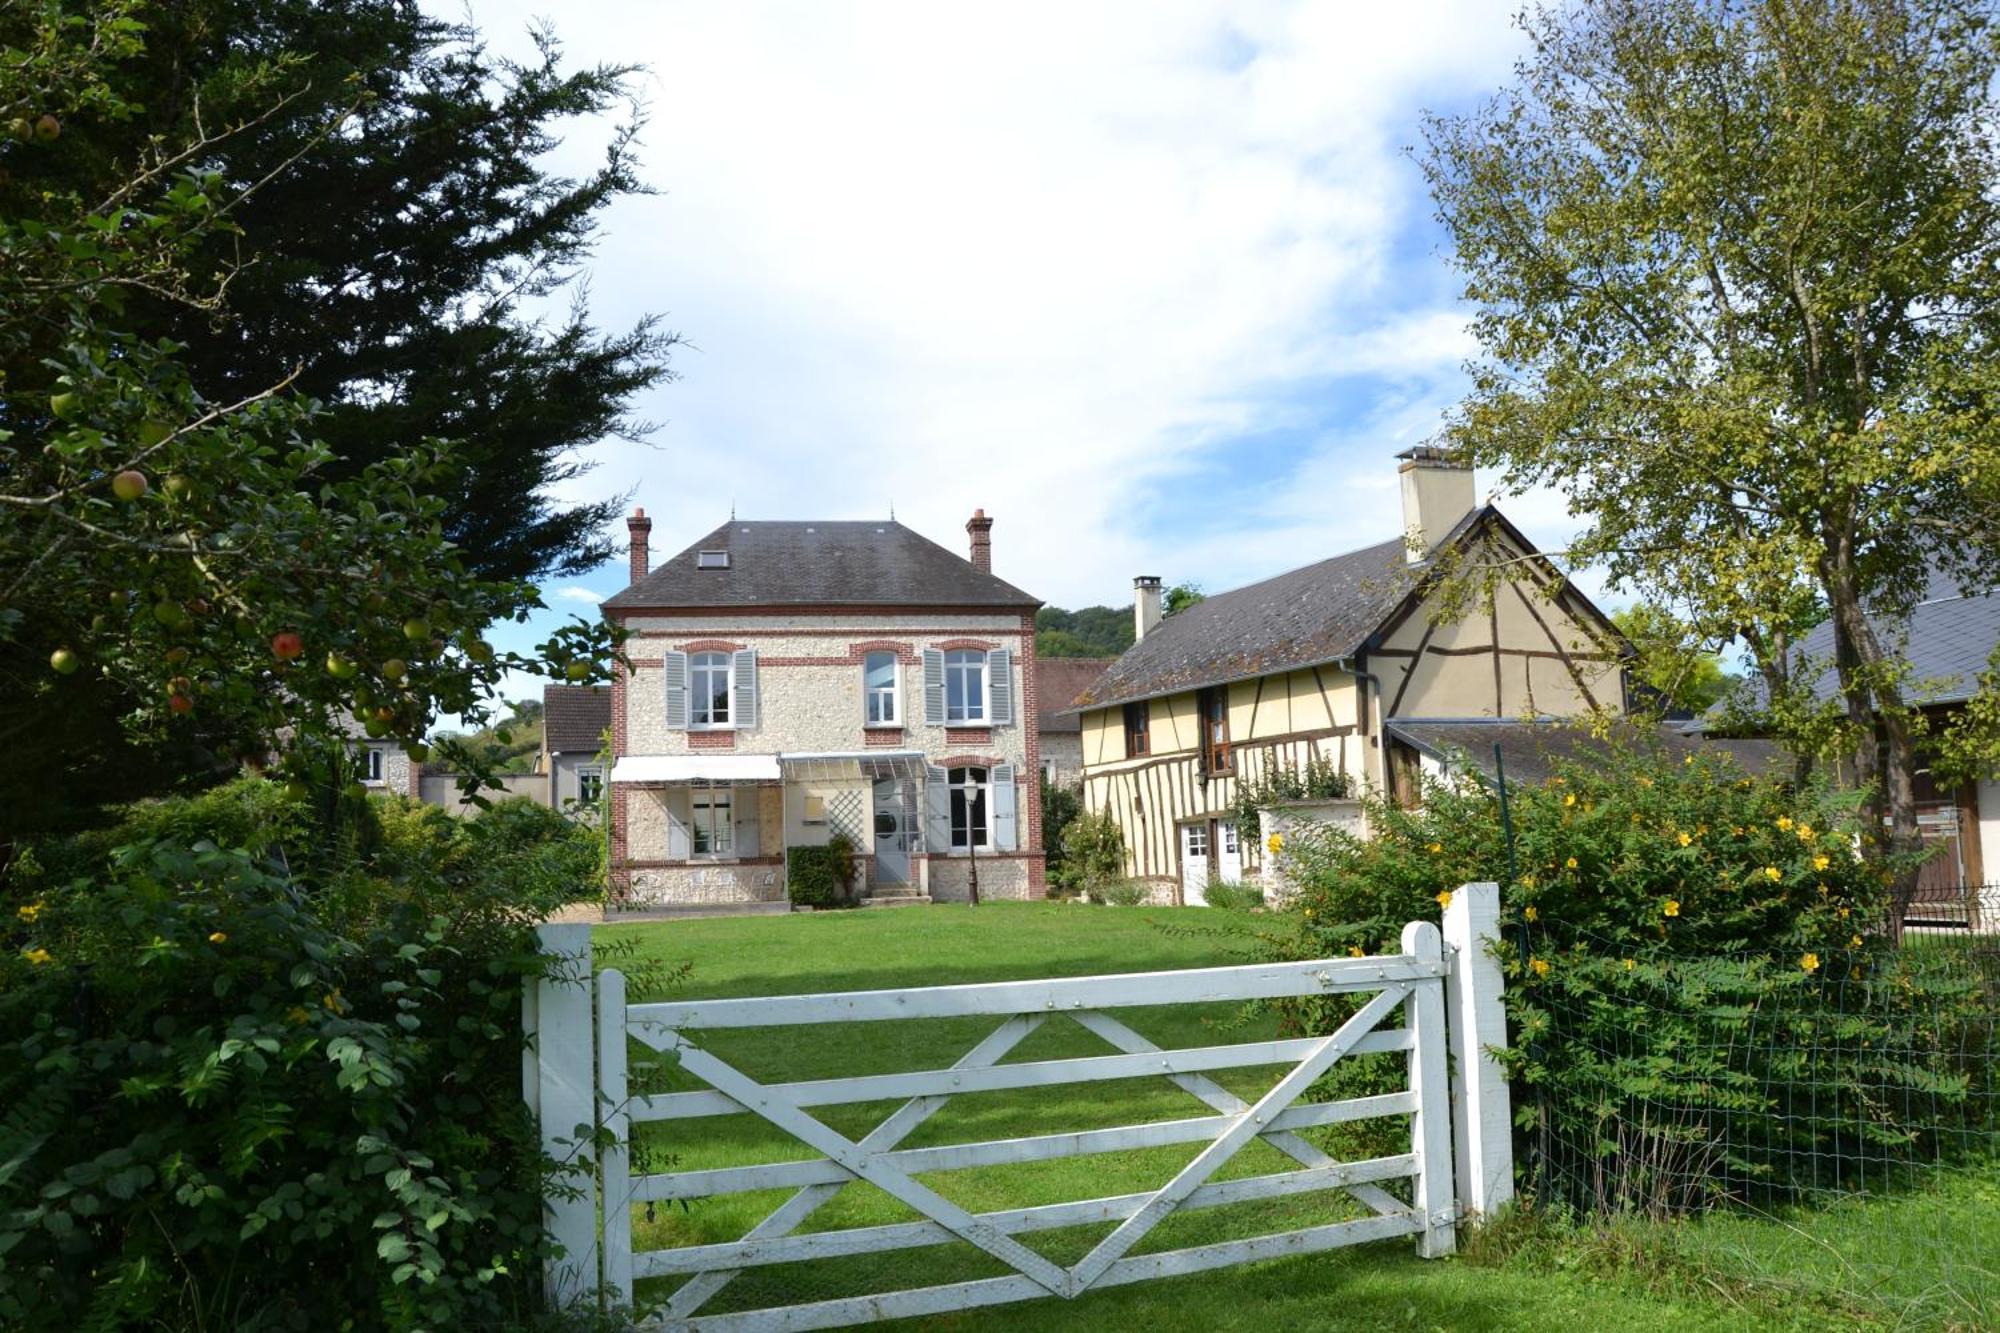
[1672,907]
[1444,898]
[1810,962]
[1275,843]
[1529,913]
[37,957]
[1540,966]
[29,912]
[217,937]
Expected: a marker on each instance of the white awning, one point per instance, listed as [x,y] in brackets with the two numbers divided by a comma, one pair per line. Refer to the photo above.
[695,768]
[844,763]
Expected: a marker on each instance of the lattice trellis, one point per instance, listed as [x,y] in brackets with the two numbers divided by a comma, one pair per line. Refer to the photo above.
[847,812]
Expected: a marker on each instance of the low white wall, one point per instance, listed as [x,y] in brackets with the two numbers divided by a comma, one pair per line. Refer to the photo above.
[1288,820]
[441,789]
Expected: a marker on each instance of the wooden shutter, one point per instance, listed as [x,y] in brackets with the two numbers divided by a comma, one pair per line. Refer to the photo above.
[743,688]
[933,687]
[676,671]
[675,799]
[1000,687]
[1005,831]
[937,809]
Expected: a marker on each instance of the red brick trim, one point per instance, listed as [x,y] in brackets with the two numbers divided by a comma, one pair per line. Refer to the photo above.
[711,646]
[969,761]
[1029,714]
[711,740]
[978,645]
[883,736]
[621,877]
[905,653]
[805,661]
[968,736]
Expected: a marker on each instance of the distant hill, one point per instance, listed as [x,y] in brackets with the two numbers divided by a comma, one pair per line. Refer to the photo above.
[1093,631]
[523,747]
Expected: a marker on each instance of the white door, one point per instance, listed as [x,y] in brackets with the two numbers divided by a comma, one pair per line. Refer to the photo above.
[1229,861]
[893,826]
[1194,864]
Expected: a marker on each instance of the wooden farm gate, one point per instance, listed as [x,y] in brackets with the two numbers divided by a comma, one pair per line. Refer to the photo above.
[1445,990]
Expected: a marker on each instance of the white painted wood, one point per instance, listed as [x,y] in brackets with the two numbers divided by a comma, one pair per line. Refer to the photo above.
[1006,825]
[615,1155]
[565,1098]
[753,1251]
[1000,687]
[1243,1127]
[1259,981]
[674,677]
[1482,1115]
[1001,1152]
[933,665]
[1430,1127]
[874,1168]
[789,1216]
[923,1301]
[743,688]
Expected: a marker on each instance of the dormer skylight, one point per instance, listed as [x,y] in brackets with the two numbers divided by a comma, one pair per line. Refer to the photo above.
[711,560]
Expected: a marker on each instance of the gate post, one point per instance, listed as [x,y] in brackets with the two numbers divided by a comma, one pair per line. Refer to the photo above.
[1430,1127]
[559,1082]
[1482,1116]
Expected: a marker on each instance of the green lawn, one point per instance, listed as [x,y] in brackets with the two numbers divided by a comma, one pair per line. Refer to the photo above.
[1725,1273]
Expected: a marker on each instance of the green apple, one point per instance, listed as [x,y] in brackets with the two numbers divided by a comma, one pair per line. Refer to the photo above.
[395,669]
[479,650]
[151,433]
[578,670]
[47,129]
[418,751]
[130,485]
[64,662]
[64,404]
[376,728]
[356,792]
[170,614]
[295,790]
[416,629]
[177,487]
[340,668]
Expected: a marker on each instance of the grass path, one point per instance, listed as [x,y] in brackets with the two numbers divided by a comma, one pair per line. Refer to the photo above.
[1724,1273]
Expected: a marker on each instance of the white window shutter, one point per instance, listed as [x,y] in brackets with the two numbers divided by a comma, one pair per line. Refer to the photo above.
[1006,826]
[933,687]
[743,688]
[676,803]
[1000,687]
[676,671]
[937,809]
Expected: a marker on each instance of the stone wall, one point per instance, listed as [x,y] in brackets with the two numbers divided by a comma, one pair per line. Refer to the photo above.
[1286,821]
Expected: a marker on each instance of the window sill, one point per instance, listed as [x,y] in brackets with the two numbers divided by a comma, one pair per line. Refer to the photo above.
[881,726]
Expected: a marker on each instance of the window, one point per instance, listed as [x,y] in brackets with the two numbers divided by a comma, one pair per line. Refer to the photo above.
[968,808]
[878,684]
[1197,839]
[1214,707]
[590,785]
[711,825]
[371,762]
[708,690]
[711,560]
[965,686]
[815,811]
[1138,722]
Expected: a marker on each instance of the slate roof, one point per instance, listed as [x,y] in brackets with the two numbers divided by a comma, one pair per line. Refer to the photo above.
[1058,680]
[878,563]
[1529,750]
[575,717]
[1949,640]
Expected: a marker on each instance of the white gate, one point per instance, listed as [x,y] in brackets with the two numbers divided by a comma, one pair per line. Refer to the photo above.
[1423,983]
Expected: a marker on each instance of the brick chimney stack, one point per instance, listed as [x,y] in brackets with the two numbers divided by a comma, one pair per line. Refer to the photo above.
[981,529]
[640,527]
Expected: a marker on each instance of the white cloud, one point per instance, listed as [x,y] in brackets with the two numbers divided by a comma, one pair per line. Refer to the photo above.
[1046,259]
[581,595]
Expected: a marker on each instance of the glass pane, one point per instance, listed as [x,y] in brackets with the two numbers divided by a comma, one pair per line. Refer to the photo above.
[880,671]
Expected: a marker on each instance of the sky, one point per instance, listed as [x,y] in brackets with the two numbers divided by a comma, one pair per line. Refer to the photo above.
[1156,285]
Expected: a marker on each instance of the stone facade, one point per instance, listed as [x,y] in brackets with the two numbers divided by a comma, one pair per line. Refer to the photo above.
[1062,757]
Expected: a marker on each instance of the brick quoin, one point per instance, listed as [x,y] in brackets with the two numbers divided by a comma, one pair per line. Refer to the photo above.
[621,874]
[711,740]
[1031,731]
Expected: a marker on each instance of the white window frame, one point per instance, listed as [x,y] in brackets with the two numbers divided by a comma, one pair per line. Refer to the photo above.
[968,665]
[893,693]
[586,775]
[1195,842]
[712,813]
[701,700]
[372,765]
[965,790]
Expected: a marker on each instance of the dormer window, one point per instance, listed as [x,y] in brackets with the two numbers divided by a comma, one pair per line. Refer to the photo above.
[711,560]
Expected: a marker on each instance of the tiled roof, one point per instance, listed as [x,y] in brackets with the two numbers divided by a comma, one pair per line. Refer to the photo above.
[575,717]
[1058,681]
[1528,750]
[843,563]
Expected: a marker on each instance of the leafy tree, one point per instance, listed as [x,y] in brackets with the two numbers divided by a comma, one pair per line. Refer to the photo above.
[1093,631]
[191,583]
[1734,269]
[1679,671]
[396,253]
[1180,597]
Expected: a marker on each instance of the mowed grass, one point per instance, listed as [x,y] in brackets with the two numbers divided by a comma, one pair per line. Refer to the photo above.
[1717,1275]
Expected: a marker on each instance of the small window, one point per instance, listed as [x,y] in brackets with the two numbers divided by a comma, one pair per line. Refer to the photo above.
[1138,725]
[815,812]
[878,684]
[711,560]
[965,686]
[1213,704]
[1197,839]
[708,690]
[590,785]
[712,828]
[371,760]
[968,808]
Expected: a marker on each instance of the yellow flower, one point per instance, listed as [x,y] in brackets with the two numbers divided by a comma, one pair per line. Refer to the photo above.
[1276,842]
[1436,847]
[1806,834]
[1810,962]
[1571,863]
[28,912]
[1629,965]
[1354,951]
[1527,881]
[1444,897]
[1672,908]
[38,956]
[1559,781]
[295,1015]
[1686,838]
[1784,822]
[1843,914]
[1687,759]
[1854,942]
[1529,912]
[1820,862]
[1540,966]
[1309,913]
[217,937]
[1772,873]
[1569,798]
[331,1000]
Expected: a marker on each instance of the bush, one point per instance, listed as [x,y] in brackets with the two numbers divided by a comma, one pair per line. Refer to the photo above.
[235,1097]
[821,876]
[1122,893]
[1234,897]
[1060,807]
[1700,980]
[1320,780]
[1093,849]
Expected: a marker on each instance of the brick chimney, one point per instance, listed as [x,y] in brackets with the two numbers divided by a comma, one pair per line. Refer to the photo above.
[1437,493]
[640,527]
[981,529]
[1145,605]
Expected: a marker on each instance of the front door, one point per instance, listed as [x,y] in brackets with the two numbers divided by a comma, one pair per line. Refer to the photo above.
[1194,864]
[893,820]
[1229,861]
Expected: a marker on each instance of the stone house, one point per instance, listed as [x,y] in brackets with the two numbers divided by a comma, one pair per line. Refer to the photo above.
[1344,664]
[1060,681]
[790,681]
[576,721]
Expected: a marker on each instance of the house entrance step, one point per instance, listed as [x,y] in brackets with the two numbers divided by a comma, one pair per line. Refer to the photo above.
[894,895]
